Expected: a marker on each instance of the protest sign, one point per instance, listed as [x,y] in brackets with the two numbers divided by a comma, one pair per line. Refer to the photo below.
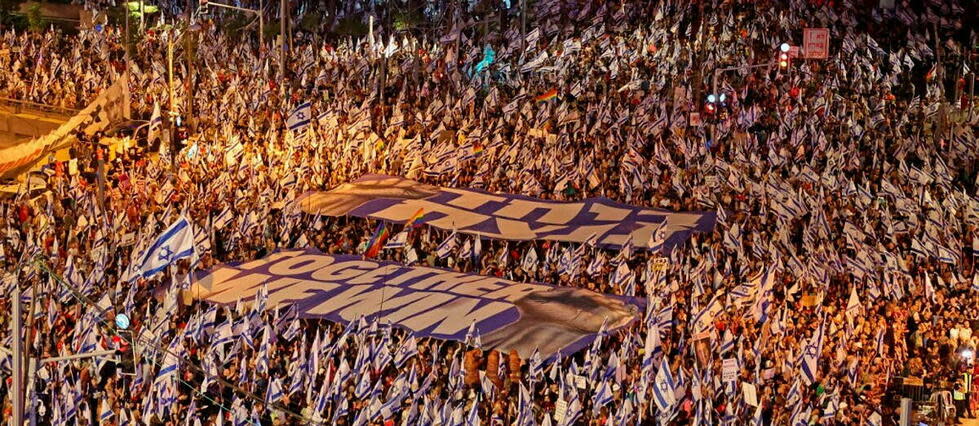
[815,43]
[729,370]
[504,216]
[428,301]
[750,394]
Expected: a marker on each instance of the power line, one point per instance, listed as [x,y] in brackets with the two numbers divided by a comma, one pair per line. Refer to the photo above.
[42,264]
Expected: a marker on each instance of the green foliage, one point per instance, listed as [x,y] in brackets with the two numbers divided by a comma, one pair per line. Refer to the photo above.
[271,31]
[7,7]
[407,20]
[311,22]
[351,26]
[134,9]
[233,25]
[35,20]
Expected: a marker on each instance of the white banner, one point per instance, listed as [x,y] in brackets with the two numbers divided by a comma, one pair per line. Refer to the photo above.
[112,105]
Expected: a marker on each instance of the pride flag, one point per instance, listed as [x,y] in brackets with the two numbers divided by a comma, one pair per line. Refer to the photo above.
[546,96]
[377,241]
[415,219]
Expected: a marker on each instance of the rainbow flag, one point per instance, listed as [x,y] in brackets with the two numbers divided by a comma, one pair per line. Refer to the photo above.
[415,219]
[377,241]
[546,96]
[478,148]
[930,75]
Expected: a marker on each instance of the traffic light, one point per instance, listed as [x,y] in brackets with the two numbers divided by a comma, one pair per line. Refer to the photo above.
[783,56]
[783,60]
[710,106]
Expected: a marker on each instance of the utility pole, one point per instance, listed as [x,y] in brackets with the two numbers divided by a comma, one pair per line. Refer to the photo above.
[523,25]
[171,131]
[972,96]
[189,78]
[282,41]
[126,9]
[17,392]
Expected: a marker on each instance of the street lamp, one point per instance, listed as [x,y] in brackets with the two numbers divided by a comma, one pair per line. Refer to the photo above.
[259,12]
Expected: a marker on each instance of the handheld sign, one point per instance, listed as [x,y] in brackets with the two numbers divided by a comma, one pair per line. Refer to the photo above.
[815,43]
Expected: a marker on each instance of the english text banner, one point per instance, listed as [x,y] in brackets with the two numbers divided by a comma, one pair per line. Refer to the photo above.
[428,301]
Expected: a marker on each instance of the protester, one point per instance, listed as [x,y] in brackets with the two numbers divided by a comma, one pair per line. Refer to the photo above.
[841,178]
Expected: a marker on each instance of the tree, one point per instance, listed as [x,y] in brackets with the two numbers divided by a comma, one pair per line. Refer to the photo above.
[6,11]
[35,20]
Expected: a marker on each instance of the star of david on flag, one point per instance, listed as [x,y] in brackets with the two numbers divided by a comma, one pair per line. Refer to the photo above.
[175,243]
[299,118]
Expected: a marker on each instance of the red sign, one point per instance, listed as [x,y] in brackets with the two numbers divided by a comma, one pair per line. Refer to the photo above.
[815,43]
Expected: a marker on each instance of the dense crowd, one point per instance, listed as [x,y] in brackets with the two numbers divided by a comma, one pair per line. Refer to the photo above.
[851,180]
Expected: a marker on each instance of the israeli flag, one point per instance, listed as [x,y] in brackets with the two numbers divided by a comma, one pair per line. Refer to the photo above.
[664,388]
[447,246]
[156,122]
[398,241]
[299,118]
[274,392]
[602,397]
[176,242]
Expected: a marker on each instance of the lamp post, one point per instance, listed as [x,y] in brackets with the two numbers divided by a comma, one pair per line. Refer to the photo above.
[16,351]
[258,12]
[717,73]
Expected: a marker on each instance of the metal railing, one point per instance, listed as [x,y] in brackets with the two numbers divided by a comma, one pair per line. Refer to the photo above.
[914,388]
[17,106]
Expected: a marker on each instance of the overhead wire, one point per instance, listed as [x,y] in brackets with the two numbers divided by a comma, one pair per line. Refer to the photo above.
[42,264]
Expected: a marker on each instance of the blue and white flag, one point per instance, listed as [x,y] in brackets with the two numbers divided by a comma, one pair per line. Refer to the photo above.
[658,237]
[176,242]
[275,391]
[299,118]
[853,306]
[763,282]
[602,397]
[156,122]
[106,411]
[472,419]
[664,388]
[407,350]
[536,369]
[222,219]
[705,317]
[397,241]
[874,419]
[447,246]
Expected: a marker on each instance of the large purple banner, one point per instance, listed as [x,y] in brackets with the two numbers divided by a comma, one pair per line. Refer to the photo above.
[508,216]
[428,301]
